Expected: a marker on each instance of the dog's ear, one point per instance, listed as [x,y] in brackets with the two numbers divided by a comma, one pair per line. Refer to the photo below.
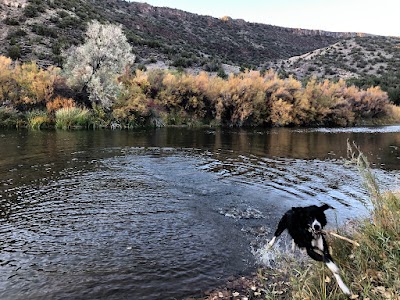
[326,206]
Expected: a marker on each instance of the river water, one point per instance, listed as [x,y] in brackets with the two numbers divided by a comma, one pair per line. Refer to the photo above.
[165,213]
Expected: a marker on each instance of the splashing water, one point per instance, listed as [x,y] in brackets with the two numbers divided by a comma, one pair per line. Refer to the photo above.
[273,257]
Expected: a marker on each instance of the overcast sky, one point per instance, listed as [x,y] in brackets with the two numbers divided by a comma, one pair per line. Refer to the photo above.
[370,16]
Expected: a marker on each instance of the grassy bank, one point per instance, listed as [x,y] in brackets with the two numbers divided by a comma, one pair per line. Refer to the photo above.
[371,270]
[67,118]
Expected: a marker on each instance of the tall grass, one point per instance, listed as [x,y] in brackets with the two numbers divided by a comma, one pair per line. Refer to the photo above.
[372,270]
[72,117]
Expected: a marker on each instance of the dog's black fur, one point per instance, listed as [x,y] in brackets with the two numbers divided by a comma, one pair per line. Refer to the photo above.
[305,225]
[298,221]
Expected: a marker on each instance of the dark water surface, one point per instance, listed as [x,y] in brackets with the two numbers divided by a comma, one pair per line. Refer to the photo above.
[167,213]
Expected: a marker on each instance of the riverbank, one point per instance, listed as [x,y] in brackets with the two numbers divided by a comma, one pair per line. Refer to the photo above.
[88,119]
[266,284]
[370,266]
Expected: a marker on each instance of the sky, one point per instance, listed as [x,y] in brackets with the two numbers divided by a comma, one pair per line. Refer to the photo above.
[381,17]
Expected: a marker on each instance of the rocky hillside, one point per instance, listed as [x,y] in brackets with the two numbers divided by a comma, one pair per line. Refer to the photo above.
[349,58]
[40,29]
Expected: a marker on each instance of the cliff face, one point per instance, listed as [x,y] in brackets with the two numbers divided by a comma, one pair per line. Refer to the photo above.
[339,35]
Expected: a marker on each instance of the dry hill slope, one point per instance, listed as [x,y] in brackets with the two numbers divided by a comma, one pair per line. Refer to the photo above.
[38,29]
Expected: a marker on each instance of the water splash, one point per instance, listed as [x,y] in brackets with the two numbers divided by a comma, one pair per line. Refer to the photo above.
[239,213]
[279,254]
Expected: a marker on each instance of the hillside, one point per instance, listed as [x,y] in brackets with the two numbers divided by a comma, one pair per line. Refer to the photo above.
[38,30]
[363,61]
[349,58]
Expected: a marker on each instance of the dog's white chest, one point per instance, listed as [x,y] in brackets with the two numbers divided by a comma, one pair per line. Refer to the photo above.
[317,242]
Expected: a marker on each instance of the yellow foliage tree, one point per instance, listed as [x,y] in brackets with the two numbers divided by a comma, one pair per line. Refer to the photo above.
[26,84]
[132,103]
[6,79]
[281,112]
[35,85]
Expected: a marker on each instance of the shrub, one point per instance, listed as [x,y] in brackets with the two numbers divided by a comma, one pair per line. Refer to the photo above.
[59,102]
[16,34]
[33,85]
[14,52]
[212,66]
[30,11]
[37,119]
[182,62]
[9,117]
[44,30]
[11,21]
[221,73]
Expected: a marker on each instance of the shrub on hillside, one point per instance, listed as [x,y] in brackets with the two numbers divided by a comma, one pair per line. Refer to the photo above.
[14,52]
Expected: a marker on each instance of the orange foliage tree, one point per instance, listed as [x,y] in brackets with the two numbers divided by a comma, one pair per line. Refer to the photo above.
[59,102]
[35,85]
[133,104]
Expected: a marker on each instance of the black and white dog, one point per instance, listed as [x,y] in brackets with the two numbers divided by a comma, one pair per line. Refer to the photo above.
[305,225]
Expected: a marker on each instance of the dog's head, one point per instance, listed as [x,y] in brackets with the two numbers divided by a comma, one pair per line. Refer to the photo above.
[315,227]
[313,216]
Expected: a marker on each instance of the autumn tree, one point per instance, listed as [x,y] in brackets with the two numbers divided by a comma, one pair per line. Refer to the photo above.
[25,85]
[35,85]
[6,80]
[94,66]
[132,105]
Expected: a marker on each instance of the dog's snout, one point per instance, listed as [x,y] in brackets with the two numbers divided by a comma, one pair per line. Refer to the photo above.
[316,226]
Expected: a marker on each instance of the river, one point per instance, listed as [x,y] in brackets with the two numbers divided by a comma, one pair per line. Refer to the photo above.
[165,213]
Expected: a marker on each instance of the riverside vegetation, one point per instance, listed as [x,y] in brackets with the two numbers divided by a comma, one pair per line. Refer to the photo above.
[38,98]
